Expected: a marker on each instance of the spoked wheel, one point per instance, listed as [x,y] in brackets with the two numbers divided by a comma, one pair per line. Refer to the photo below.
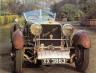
[82,58]
[13,55]
[17,62]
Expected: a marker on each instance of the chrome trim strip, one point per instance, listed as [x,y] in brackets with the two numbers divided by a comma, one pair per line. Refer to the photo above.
[53,39]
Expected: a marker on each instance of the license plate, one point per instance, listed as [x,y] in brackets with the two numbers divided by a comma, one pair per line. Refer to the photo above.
[53,61]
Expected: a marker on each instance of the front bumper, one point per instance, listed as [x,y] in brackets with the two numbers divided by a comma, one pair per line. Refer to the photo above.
[50,54]
[54,57]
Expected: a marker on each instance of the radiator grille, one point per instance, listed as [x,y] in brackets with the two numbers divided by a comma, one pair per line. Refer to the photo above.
[48,31]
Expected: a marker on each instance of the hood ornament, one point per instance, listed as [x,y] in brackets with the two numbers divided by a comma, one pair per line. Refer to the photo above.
[51,36]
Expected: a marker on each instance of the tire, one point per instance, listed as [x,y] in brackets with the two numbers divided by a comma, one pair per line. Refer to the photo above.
[17,63]
[82,58]
[38,64]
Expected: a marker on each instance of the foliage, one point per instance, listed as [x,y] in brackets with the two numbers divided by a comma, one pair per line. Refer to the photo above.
[7,19]
[15,8]
[70,11]
[18,8]
[87,5]
[91,14]
[10,19]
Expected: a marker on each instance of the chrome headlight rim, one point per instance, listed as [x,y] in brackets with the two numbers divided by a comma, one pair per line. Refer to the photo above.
[67,29]
[36,29]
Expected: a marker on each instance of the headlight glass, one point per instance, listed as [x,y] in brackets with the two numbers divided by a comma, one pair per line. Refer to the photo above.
[36,29]
[67,29]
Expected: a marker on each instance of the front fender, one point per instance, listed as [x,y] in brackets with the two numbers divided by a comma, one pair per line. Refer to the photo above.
[81,38]
[18,39]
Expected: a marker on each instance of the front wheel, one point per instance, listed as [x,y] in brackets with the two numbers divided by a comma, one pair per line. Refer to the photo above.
[82,58]
[17,62]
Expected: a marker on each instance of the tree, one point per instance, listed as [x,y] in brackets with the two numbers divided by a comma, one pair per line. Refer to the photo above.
[19,8]
[87,5]
[15,8]
[70,11]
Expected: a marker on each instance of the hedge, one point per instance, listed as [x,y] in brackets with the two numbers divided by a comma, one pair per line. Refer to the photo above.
[10,19]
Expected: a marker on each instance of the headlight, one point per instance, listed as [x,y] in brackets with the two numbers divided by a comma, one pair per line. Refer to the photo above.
[36,29]
[67,29]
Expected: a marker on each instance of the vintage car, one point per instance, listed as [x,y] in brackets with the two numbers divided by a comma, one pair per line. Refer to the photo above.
[44,41]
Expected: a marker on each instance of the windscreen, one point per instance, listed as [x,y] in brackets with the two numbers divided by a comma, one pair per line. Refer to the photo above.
[39,16]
